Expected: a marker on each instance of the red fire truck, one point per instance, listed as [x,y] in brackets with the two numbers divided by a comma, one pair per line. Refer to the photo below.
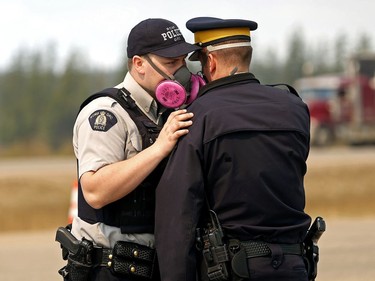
[342,106]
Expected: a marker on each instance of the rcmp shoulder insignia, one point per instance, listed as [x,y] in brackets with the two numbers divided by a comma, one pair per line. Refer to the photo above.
[102,120]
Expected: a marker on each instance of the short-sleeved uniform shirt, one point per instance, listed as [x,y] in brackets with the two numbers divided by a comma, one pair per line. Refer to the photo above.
[103,134]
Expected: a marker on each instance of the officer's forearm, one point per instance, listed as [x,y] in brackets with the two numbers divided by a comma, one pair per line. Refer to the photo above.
[112,182]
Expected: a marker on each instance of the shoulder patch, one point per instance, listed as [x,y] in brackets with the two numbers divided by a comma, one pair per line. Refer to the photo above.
[102,120]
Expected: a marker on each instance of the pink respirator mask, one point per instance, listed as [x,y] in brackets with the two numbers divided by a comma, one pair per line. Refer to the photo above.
[178,89]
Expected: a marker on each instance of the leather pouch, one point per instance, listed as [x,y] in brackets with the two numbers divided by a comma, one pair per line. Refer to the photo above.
[239,263]
[133,260]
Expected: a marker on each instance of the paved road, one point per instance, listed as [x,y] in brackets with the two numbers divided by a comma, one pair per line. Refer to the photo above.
[29,256]
[347,247]
[347,252]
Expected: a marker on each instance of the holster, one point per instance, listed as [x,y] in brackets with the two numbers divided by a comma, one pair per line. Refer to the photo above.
[80,264]
[74,271]
[238,258]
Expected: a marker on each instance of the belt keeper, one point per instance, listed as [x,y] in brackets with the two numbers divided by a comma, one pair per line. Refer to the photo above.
[276,254]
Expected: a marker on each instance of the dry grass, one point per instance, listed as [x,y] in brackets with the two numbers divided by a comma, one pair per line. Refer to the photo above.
[41,200]
[341,190]
[31,201]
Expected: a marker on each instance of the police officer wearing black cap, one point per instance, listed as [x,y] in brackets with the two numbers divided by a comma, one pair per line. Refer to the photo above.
[120,140]
[245,160]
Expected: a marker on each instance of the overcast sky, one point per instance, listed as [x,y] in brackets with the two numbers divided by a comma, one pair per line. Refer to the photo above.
[100,28]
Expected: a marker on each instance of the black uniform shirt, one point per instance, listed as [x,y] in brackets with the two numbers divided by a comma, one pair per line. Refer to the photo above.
[247,148]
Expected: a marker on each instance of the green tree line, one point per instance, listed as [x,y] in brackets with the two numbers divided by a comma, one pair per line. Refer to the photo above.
[39,103]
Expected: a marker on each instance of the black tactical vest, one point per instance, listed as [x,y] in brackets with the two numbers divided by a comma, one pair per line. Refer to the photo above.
[133,213]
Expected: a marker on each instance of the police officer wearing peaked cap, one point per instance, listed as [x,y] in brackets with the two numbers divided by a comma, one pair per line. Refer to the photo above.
[245,155]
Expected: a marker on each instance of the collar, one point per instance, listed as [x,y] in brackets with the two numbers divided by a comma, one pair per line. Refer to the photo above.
[225,81]
[142,99]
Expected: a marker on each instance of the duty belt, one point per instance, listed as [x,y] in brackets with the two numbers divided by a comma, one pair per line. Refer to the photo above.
[102,256]
[260,249]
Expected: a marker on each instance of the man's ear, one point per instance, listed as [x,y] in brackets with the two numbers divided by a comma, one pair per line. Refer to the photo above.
[138,64]
[211,62]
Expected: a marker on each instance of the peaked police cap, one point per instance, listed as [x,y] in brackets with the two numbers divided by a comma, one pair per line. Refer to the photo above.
[208,31]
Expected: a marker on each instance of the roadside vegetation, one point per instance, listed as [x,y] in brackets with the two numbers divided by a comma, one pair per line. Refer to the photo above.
[40,96]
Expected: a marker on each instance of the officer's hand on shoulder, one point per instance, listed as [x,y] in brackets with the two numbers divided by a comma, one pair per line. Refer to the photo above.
[175,127]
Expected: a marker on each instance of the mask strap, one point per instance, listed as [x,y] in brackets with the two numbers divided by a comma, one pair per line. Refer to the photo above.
[158,69]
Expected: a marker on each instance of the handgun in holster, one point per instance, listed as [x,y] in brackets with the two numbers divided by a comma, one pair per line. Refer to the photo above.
[77,252]
[215,255]
[311,249]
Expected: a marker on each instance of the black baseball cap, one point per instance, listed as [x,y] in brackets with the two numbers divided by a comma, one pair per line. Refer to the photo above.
[160,37]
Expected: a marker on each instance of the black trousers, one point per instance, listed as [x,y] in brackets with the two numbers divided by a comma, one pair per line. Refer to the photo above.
[291,268]
[102,273]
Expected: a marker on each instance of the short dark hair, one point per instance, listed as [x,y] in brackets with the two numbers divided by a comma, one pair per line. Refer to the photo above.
[235,55]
